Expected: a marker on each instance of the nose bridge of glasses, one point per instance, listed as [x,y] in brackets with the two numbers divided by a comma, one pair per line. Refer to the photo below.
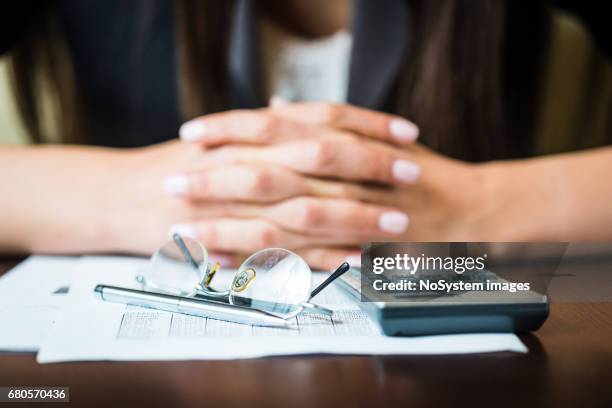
[208,275]
[203,286]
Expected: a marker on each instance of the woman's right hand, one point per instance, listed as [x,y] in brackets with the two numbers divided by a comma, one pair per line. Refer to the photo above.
[83,199]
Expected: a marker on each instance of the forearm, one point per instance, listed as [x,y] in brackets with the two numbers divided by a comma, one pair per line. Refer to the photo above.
[566,197]
[56,198]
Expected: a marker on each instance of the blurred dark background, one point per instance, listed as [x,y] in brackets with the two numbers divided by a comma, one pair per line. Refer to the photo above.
[594,15]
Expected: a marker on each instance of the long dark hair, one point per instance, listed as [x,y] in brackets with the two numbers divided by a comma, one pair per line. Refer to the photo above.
[472,85]
[468,84]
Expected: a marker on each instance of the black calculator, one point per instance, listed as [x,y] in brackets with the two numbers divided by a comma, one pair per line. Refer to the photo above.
[427,313]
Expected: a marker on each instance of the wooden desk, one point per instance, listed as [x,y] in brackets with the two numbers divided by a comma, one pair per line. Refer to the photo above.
[569,364]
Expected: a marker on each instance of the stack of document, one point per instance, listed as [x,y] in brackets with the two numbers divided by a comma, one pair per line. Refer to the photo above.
[30,297]
[73,325]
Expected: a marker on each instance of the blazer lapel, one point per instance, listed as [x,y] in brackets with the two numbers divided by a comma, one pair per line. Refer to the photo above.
[380,42]
[244,58]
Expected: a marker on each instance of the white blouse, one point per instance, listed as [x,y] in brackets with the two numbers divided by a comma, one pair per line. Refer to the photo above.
[301,70]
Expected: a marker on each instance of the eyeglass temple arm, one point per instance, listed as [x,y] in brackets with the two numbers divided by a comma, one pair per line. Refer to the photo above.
[337,273]
[186,254]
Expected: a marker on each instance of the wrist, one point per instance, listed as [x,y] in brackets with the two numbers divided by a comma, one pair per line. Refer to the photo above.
[499,196]
[124,201]
[137,212]
[520,202]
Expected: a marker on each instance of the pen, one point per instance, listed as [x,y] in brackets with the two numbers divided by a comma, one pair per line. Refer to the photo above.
[190,306]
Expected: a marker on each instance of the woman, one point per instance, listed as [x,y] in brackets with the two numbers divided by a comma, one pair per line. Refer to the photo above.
[321,176]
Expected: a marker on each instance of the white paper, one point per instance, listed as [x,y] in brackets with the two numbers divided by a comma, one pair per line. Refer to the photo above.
[89,329]
[30,297]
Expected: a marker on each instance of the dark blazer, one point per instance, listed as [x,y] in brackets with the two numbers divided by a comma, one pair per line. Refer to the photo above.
[127,75]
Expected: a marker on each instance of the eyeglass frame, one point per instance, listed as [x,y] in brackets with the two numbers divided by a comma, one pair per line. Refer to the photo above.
[203,290]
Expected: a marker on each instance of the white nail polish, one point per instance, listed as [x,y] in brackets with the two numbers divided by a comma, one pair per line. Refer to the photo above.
[192,131]
[403,131]
[406,171]
[354,261]
[393,222]
[176,184]
[183,230]
[278,101]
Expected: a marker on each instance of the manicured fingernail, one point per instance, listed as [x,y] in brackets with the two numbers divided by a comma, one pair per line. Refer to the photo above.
[176,184]
[192,131]
[403,131]
[393,222]
[406,171]
[183,230]
[278,101]
[354,261]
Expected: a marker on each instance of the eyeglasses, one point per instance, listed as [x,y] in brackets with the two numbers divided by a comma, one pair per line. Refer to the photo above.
[273,280]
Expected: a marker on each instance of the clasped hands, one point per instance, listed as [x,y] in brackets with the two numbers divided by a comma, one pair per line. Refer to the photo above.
[316,178]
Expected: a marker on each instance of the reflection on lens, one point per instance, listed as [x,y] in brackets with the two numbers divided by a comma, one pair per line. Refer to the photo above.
[274,280]
[177,266]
